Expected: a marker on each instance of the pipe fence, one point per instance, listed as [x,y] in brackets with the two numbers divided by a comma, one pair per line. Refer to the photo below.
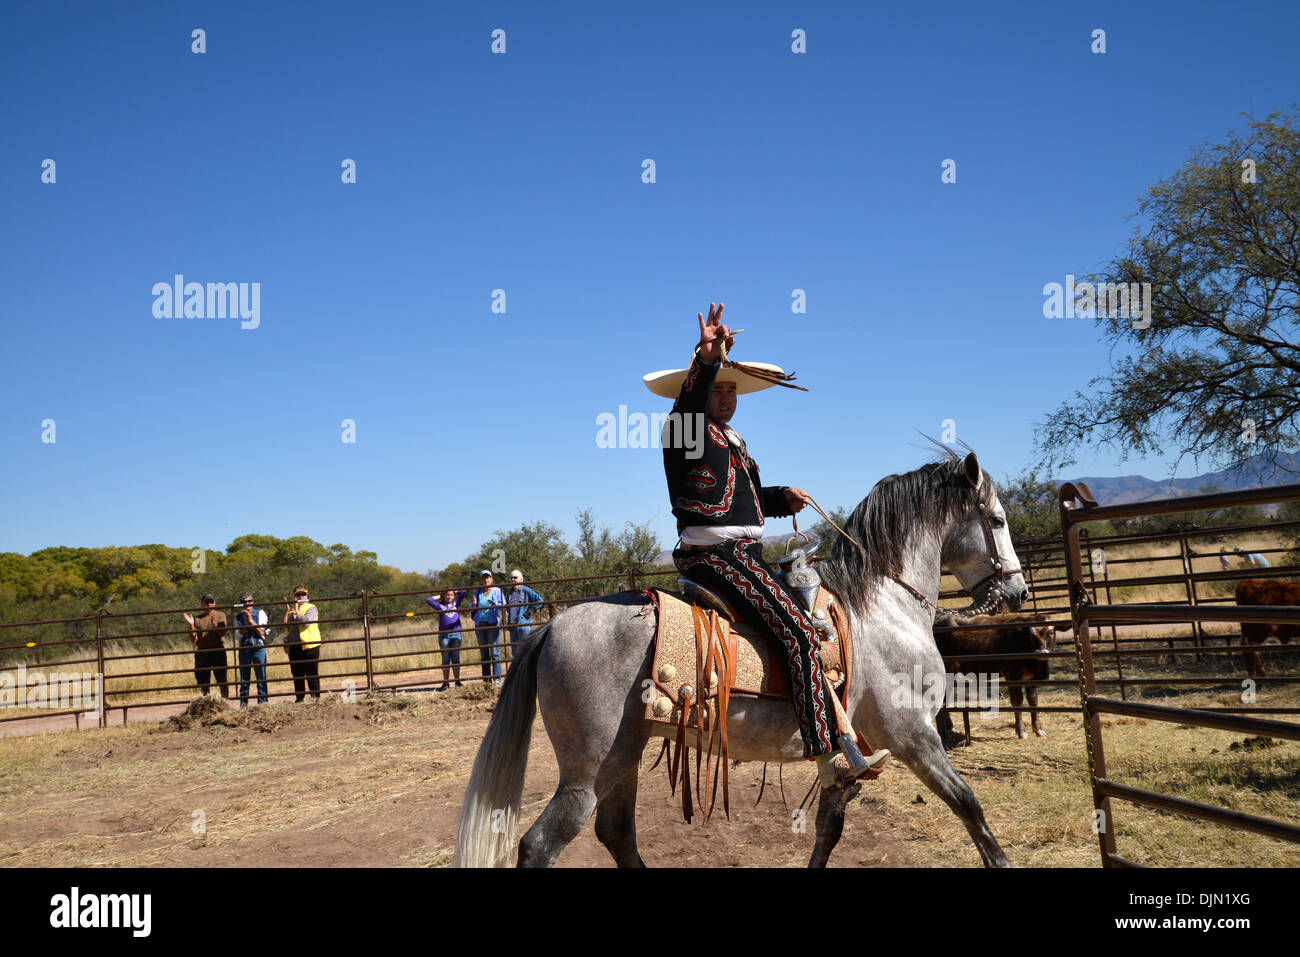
[147,661]
[1078,507]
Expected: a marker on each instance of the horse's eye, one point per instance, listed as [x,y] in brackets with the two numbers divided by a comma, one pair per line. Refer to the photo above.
[996,522]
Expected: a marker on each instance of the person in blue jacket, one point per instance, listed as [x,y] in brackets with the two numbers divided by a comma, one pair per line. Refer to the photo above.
[485,605]
[521,604]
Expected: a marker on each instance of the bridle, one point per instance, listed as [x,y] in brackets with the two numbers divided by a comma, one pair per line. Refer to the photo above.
[996,593]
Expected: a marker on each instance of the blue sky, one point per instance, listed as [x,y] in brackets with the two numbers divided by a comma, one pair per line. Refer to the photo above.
[522,171]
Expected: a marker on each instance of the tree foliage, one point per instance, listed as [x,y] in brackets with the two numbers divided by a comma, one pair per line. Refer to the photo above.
[1219,364]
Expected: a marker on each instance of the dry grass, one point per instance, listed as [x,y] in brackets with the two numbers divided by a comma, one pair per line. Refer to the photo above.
[1038,803]
[331,782]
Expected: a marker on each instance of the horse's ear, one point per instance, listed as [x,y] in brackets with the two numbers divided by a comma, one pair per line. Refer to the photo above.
[974,474]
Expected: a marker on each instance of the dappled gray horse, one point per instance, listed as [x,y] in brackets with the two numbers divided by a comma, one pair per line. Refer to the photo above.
[586,667]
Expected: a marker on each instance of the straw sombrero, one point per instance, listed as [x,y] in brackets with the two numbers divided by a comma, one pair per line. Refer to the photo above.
[668,382]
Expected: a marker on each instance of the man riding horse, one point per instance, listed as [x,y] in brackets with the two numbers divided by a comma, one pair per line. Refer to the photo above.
[720,506]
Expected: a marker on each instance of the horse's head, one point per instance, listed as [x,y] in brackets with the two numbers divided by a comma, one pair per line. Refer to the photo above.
[977,544]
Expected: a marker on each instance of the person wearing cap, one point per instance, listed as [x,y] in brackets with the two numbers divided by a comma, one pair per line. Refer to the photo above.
[250,627]
[1253,559]
[208,635]
[721,507]
[303,644]
[485,603]
[521,604]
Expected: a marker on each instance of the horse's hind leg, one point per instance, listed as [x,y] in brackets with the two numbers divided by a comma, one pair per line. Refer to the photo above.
[567,813]
[924,754]
[616,821]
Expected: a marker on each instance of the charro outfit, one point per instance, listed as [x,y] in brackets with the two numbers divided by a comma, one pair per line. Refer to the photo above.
[720,506]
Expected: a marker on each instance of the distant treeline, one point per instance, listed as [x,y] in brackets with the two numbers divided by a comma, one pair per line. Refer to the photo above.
[64,582]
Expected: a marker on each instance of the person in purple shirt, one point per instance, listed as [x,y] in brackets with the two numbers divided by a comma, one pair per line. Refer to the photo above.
[449,636]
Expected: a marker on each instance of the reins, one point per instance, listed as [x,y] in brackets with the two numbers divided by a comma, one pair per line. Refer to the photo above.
[991,601]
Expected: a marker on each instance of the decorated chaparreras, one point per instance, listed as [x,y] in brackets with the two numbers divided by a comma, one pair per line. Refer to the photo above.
[721,507]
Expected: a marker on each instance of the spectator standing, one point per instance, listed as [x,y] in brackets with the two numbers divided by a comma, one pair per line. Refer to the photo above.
[486,603]
[303,644]
[1223,559]
[250,627]
[1253,559]
[521,604]
[208,635]
[449,636]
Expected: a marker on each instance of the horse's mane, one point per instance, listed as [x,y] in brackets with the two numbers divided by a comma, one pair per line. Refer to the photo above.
[922,501]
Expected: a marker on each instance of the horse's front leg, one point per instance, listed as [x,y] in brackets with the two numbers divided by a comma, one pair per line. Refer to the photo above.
[830,822]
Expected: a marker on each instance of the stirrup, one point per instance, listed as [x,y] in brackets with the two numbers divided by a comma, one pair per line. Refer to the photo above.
[841,769]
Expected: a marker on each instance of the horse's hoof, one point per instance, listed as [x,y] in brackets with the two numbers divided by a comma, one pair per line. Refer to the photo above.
[844,795]
[1040,732]
[1022,734]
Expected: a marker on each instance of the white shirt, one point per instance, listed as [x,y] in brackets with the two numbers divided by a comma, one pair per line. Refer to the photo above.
[716,534]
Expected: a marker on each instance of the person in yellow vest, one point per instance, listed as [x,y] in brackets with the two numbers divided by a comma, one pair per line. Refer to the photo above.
[303,644]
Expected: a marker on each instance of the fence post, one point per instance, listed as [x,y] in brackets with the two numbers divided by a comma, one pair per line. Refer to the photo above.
[631,580]
[1029,573]
[99,657]
[1087,681]
[1198,630]
[365,631]
[1114,635]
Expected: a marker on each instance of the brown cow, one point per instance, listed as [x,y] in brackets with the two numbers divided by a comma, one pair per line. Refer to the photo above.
[1019,640]
[1266,591]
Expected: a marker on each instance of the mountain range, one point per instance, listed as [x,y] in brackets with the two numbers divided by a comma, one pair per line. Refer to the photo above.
[1255,472]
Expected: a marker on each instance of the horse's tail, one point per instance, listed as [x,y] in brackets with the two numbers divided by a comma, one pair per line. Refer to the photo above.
[491,809]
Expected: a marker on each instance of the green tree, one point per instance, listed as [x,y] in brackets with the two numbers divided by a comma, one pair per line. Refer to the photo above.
[1032,506]
[1219,363]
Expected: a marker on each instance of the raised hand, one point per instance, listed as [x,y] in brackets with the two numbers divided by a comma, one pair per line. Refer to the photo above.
[713,334]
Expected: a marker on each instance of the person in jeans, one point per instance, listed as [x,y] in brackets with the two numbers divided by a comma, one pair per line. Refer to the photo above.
[208,635]
[303,644]
[486,602]
[521,604]
[449,636]
[250,627]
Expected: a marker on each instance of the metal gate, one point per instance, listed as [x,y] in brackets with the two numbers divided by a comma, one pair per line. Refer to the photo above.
[1077,508]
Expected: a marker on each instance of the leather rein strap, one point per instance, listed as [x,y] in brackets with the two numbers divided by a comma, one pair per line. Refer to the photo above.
[995,558]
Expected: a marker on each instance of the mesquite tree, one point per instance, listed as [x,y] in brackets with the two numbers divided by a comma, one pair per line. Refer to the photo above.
[1214,368]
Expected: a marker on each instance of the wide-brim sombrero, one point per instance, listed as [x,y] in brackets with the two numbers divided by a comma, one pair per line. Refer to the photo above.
[668,382]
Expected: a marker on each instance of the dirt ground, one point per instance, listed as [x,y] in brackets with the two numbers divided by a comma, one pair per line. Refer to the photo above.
[368,784]
[380,782]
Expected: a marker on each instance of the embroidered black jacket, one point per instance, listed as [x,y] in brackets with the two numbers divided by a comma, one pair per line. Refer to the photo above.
[721,486]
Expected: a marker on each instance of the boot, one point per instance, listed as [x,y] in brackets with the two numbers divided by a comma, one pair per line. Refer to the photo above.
[838,769]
